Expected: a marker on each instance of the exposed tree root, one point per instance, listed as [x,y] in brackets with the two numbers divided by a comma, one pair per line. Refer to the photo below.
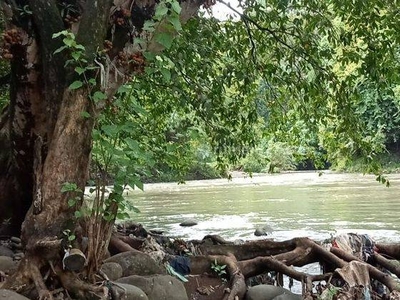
[382,277]
[80,289]
[392,250]
[118,244]
[258,257]
[242,262]
[28,280]
[391,265]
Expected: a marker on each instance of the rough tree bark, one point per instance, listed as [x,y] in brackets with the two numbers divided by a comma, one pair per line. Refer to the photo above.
[47,141]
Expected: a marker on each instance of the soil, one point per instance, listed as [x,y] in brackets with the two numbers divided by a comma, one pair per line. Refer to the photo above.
[205,287]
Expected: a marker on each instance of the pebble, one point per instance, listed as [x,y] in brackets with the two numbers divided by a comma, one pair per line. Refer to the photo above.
[16,240]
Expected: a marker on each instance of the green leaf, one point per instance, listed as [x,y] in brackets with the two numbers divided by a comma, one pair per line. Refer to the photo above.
[161,11]
[132,144]
[71,202]
[76,55]
[69,187]
[56,35]
[176,7]
[76,85]
[149,26]
[80,70]
[166,75]
[164,39]
[110,130]
[77,214]
[124,88]
[139,184]
[85,114]
[68,41]
[59,49]
[79,47]
[71,238]
[123,216]
[98,96]
[174,20]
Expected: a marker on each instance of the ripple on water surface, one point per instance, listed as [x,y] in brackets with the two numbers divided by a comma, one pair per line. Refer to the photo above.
[301,204]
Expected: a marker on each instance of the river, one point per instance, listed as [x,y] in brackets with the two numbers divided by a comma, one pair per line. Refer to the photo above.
[312,204]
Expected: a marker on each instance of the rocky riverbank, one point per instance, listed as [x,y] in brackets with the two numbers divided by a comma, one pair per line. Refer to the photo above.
[149,266]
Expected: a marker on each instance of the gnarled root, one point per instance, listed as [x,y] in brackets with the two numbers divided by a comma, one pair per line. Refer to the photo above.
[27,278]
[81,290]
[257,257]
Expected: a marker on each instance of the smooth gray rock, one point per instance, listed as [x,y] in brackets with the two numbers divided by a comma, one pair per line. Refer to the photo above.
[158,287]
[113,270]
[16,240]
[5,251]
[11,295]
[7,264]
[135,263]
[270,292]
[188,223]
[263,230]
[128,292]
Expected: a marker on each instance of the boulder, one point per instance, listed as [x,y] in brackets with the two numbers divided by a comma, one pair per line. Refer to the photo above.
[270,292]
[5,251]
[7,264]
[188,223]
[263,230]
[158,287]
[136,262]
[112,269]
[128,292]
[11,295]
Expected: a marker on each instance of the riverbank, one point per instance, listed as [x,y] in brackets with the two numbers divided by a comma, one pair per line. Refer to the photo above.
[285,178]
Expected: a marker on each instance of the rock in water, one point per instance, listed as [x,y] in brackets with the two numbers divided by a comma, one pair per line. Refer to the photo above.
[188,223]
[263,230]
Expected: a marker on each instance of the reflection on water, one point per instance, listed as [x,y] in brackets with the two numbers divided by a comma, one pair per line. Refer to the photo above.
[296,204]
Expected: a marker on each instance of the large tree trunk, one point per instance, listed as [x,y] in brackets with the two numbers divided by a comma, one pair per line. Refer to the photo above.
[37,81]
[45,139]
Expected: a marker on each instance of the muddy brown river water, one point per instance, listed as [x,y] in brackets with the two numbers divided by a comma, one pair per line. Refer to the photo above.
[292,204]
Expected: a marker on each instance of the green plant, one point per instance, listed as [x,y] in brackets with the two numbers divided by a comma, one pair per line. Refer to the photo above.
[219,269]
[329,293]
[76,196]
[69,236]
[84,71]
